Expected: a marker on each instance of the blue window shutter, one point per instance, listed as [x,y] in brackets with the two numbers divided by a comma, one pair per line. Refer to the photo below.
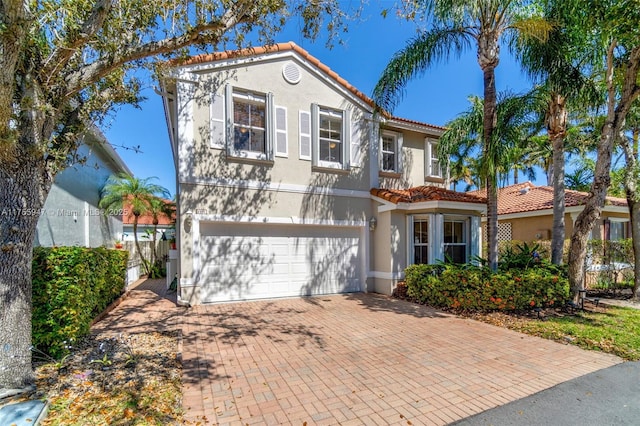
[305,135]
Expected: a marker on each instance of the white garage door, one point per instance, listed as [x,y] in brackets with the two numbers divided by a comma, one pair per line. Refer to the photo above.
[249,261]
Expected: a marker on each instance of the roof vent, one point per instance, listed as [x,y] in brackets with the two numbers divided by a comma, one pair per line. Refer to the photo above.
[291,73]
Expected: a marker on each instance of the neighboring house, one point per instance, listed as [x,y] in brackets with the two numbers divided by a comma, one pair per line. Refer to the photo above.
[525,213]
[165,226]
[71,216]
[288,184]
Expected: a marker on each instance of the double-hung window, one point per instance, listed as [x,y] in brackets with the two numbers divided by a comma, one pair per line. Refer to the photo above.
[433,167]
[420,241]
[455,240]
[390,152]
[330,137]
[249,122]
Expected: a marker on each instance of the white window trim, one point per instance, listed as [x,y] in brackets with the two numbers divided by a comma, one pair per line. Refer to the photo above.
[429,156]
[345,139]
[398,142]
[229,93]
[466,234]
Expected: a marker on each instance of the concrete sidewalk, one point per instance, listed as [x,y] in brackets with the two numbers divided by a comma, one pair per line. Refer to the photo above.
[346,359]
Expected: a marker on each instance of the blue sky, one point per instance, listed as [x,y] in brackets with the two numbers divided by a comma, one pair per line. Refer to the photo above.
[436,97]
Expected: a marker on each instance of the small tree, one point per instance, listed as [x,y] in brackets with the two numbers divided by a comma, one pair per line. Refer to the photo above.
[124,190]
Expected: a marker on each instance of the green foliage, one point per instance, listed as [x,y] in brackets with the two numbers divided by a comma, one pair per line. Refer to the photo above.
[71,286]
[470,288]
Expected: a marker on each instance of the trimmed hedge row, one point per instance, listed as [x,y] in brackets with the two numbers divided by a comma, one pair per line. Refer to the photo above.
[470,288]
[71,287]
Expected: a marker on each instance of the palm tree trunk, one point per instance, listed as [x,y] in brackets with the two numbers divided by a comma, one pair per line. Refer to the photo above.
[489,123]
[135,237]
[556,128]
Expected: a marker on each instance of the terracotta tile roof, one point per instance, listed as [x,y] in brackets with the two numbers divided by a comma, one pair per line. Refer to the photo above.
[284,47]
[147,218]
[420,194]
[526,197]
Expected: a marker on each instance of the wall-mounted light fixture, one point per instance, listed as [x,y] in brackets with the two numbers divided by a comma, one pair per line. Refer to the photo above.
[373,223]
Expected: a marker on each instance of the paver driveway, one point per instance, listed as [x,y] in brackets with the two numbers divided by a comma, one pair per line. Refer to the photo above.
[360,359]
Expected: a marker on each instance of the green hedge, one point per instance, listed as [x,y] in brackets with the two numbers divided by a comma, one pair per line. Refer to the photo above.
[470,288]
[71,287]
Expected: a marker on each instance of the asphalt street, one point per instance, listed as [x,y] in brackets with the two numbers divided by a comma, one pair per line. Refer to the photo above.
[610,396]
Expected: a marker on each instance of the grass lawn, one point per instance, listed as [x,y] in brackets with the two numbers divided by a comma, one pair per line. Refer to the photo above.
[608,329]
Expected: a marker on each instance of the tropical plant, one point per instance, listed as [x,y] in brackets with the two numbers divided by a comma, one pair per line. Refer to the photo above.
[123,191]
[65,64]
[613,29]
[512,119]
[456,26]
[559,66]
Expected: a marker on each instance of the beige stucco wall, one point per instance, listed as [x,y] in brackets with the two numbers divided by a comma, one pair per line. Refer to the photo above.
[267,77]
[533,228]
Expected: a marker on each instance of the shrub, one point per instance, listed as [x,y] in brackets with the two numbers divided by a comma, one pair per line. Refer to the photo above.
[464,287]
[72,286]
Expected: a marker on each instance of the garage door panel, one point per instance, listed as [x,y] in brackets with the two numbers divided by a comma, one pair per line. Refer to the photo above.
[240,262]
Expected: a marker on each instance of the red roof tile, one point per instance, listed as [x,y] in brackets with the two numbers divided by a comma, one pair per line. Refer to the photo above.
[526,197]
[147,218]
[290,46]
[420,194]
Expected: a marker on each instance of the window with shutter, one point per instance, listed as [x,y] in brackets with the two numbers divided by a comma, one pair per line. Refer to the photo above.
[217,133]
[331,137]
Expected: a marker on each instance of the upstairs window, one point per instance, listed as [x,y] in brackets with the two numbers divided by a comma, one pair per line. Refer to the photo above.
[330,137]
[330,128]
[390,152]
[433,167]
[249,122]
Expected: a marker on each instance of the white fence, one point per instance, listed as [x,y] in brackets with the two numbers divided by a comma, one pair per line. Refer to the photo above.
[135,269]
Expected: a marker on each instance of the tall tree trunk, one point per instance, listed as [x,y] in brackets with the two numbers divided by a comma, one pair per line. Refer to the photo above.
[489,123]
[631,191]
[556,128]
[22,195]
[619,101]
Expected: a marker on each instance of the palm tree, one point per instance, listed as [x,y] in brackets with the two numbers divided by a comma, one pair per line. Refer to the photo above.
[457,25]
[158,208]
[512,116]
[137,193]
[558,65]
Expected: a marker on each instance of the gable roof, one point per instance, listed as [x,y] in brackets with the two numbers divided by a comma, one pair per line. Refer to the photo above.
[527,197]
[425,193]
[292,47]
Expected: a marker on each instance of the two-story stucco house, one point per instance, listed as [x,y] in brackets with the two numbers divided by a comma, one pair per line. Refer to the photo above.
[289,184]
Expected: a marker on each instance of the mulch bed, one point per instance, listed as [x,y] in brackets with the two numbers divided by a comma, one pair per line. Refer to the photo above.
[123,380]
